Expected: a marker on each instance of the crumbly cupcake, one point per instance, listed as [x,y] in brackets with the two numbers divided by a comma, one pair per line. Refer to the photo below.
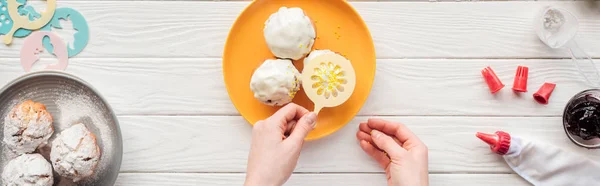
[27,127]
[289,33]
[28,169]
[75,153]
[315,54]
[275,82]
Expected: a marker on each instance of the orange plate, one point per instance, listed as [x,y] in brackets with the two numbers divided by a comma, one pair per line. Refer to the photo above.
[246,49]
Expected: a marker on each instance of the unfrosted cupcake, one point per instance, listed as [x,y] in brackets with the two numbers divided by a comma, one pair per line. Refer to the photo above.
[275,82]
[289,33]
[75,153]
[28,169]
[315,54]
[27,127]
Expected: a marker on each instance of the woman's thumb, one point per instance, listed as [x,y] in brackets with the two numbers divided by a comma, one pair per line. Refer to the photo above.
[306,124]
[387,144]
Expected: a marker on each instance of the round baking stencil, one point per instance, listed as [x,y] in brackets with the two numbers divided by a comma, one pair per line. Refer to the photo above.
[339,28]
[328,80]
[6,22]
[32,47]
[81,37]
[23,21]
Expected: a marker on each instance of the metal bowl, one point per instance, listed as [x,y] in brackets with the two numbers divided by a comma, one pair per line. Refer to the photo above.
[592,143]
[70,100]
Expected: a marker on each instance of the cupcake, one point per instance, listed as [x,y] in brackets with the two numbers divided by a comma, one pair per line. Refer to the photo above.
[75,153]
[28,169]
[289,33]
[27,127]
[275,82]
[315,54]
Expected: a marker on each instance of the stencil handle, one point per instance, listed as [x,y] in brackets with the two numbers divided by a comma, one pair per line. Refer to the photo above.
[9,36]
[317,109]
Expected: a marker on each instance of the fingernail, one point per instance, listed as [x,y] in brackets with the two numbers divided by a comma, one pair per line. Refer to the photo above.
[311,119]
[375,133]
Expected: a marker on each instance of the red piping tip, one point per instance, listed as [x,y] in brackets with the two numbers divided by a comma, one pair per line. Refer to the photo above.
[543,95]
[520,84]
[492,80]
[490,139]
[499,142]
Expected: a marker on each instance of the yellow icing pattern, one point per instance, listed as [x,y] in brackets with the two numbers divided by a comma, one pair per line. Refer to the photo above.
[329,79]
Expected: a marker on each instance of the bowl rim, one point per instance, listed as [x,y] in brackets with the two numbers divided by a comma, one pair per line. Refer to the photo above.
[69,76]
[569,135]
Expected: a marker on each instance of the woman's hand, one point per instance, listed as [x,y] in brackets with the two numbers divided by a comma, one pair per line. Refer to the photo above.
[400,152]
[273,154]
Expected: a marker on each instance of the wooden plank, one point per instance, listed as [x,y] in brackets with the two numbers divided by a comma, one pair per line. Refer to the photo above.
[347,0]
[184,86]
[200,179]
[221,144]
[169,29]
[148,86]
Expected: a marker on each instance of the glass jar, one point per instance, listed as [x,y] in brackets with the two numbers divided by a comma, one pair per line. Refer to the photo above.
[581,119]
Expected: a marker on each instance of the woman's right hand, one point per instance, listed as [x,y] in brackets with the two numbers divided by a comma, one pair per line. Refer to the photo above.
[399,151]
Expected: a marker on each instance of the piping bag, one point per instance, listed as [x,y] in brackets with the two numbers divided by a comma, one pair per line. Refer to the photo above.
[541,163]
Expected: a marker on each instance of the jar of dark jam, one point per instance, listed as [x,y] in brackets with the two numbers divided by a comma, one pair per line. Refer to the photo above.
[581,119]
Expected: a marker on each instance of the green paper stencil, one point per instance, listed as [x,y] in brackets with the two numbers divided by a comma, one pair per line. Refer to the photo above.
[81,37]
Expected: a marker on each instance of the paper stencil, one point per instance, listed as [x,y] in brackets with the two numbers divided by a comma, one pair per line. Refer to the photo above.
[328,80]
[23,21]
[33,46]
[6,22]
[81,36]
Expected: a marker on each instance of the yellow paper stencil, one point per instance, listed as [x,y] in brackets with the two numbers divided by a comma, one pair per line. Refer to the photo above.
[23,21]
[328,80]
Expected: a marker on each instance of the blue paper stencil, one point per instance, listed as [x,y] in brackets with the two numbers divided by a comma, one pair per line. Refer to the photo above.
[6,22]
[82,35]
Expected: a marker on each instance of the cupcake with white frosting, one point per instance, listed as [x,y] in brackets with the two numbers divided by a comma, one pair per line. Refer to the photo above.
[275,82]
[289,33]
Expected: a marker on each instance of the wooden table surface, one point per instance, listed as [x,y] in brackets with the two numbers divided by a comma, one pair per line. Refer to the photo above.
[158,63]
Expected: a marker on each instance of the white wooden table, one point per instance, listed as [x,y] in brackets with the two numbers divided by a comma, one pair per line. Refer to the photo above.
[159,65]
